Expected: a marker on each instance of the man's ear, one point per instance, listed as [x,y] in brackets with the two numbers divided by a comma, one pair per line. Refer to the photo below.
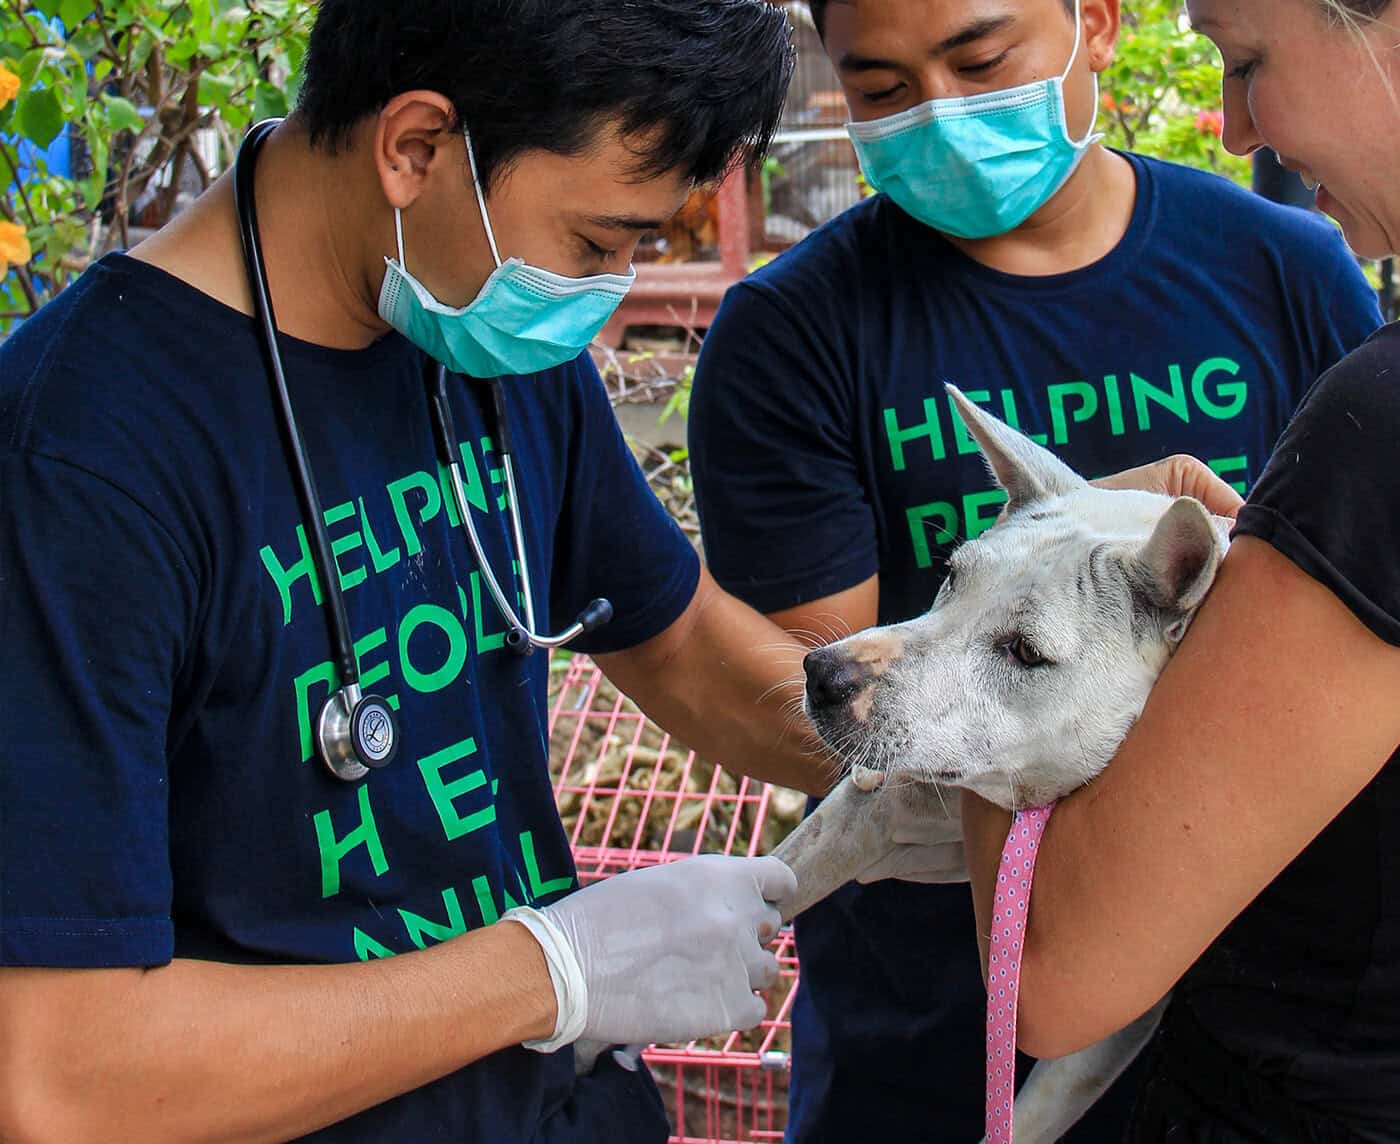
[1101,26]
[408,139]
[1027,472]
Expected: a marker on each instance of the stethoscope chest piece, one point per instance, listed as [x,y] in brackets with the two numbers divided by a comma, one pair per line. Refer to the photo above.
[356,734]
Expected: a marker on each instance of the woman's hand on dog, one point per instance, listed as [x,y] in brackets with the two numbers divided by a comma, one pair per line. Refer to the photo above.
[1179,476]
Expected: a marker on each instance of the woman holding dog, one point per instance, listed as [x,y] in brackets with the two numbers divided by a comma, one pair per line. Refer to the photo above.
[1240,850]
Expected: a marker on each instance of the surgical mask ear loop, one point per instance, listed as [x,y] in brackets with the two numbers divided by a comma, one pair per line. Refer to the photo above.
[1074,55]
[480,203]
[1078,33]
[481,197]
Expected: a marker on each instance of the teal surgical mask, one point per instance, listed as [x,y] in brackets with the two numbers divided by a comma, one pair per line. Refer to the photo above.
[980,165]
[525,320]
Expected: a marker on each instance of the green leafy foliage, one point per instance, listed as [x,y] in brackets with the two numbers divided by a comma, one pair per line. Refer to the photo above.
[144,90]
[1161,96]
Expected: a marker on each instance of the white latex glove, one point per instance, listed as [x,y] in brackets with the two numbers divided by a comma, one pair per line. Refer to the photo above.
[668,953]
[925,836]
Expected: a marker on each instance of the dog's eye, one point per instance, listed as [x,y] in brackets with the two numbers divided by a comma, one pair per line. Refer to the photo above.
[1025,653]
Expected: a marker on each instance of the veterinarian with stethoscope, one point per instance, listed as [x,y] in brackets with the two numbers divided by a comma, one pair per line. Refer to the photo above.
[1241,846]
[275,550]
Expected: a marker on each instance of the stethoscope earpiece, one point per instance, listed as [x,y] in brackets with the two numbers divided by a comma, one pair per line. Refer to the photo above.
[598,613]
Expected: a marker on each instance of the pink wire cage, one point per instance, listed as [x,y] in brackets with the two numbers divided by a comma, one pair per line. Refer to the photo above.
[631,797]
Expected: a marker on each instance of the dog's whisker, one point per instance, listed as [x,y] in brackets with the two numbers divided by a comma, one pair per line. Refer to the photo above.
[942,535]
[903,779]
[833,633]
[780,645]
[789,724]
[942,802]
[782,685]
[782,651]
[808,637]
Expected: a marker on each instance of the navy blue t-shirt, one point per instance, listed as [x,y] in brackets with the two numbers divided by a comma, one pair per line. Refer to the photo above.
[825,450]
[165,658]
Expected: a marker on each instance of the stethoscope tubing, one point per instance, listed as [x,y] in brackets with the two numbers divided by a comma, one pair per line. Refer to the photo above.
[246,206]
[523,635]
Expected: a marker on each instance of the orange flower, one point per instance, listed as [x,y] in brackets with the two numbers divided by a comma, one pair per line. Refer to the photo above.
[9,85]
[14,245]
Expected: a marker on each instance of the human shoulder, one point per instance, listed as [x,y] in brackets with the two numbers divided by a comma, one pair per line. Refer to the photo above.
[1356,404]
[805,301]
[838,251]
[126,345]
[1328,498]
[145,388]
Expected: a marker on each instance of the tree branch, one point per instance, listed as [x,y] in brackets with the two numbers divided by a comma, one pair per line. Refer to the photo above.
[19,184]
[13,5]
[106,36]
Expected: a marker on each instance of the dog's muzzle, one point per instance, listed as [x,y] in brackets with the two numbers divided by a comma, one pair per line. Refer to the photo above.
[833,678]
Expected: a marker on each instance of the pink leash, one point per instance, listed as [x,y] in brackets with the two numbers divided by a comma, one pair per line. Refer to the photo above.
[1013,901]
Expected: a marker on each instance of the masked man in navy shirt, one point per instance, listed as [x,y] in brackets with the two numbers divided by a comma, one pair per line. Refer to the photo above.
[204,932]
[1116,308]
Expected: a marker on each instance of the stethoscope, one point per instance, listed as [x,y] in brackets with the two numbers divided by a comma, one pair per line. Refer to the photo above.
[356,733]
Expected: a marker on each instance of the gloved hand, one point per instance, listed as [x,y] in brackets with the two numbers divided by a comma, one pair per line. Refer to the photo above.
[923,831]
[668,953]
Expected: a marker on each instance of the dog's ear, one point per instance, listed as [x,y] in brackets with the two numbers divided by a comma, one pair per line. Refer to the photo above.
[1176,567]
[1027,472]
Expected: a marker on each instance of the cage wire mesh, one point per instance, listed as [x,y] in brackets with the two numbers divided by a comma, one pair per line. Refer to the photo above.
[630,797]
[810,175]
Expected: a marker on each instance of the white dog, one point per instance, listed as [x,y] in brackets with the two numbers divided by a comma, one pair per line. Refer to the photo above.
[1019,684]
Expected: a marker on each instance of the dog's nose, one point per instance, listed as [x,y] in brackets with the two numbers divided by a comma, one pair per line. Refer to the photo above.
[833,678]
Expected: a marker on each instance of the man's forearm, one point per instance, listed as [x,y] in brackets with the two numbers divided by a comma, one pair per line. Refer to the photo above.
[199,1051]
[729,682]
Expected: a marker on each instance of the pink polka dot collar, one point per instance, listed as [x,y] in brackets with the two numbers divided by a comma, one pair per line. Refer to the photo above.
[1012,905]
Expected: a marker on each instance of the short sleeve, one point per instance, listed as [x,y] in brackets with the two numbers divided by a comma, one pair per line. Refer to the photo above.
[615,539]
[96,602]
[783,509]
[1329,498]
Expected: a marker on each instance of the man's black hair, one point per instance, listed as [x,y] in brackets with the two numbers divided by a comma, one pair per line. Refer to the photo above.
[696,86]
[818,9]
